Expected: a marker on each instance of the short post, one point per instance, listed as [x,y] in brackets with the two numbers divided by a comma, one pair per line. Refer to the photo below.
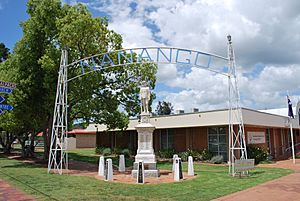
[141,173]
[121,163]
[101,166]
[178,170]
[190,166]
[174,157]
[108,170]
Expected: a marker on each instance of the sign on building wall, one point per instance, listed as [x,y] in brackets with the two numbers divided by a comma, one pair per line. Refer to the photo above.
[256,137]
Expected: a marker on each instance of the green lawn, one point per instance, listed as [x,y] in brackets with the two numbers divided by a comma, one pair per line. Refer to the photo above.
[211,182]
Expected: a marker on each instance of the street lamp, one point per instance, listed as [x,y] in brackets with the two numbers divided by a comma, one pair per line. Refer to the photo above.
[229,38]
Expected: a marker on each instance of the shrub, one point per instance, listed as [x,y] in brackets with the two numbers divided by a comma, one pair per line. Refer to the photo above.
[106,151]
[217,159]
[195,154]
[126,152]
[205,155]
[99,150]
[116,150]
[257,153]
[166,153]
[183,155]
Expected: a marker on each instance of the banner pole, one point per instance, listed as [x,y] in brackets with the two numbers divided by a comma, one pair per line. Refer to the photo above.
[292,139]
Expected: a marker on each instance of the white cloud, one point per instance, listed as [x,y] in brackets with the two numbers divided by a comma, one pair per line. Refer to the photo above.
[199,89]
[269,88]
[265,32]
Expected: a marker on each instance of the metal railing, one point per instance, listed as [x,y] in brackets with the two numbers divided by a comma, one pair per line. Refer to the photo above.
[291,147]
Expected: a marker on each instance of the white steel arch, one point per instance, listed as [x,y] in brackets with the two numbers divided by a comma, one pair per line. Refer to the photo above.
[58,158]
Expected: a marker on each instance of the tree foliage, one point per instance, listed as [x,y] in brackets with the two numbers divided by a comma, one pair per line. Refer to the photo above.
[163,108]
[108,96]
[4,52]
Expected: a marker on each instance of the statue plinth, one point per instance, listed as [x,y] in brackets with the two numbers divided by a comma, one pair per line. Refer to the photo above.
[145,151]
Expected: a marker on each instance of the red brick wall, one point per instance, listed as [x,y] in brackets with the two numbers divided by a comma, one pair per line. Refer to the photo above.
[190,138]
[198,138]
[180,139]
[156,140]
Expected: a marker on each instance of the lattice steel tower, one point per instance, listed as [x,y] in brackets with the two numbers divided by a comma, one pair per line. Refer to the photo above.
[58,158]
[237,144]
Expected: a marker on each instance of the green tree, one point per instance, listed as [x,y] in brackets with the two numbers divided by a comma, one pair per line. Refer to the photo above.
[4,52]
[108,96]
[163,108]
[9,124]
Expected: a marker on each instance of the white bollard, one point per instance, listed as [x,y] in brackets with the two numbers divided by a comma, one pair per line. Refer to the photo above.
[190,166]
[108,170]
[140,173]
[174,157]
[121,163]
[176,170]
[101,166]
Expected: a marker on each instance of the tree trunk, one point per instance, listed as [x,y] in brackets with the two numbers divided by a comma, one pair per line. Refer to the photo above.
[23,148]
[2,142]
[47,138]
[6,144]
[32,144]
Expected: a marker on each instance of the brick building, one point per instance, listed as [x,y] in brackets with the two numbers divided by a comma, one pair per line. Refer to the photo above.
[200,130]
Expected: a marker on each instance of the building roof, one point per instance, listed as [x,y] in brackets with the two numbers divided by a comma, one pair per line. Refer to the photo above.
[278,111]
[207,118]
[81,131]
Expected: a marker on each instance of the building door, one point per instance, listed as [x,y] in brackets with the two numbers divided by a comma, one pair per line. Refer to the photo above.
[217,141]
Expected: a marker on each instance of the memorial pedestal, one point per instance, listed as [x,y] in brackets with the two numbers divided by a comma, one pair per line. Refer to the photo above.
[145,150]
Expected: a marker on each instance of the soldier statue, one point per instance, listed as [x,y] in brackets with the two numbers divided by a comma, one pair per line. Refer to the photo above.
[145,97]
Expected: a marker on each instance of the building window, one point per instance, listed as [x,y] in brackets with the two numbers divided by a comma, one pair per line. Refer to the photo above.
[167,139]
[217,141]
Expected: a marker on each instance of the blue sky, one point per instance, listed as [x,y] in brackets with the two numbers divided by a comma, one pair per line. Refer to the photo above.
[265,36]
[12,12]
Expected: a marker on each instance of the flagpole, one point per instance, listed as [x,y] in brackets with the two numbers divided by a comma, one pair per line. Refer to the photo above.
[292,139]
[291,116]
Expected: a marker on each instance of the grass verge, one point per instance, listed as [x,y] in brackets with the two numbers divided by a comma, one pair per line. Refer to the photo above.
[211,182]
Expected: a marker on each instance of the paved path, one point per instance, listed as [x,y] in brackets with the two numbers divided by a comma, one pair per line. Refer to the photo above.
[9,193]
[286,188]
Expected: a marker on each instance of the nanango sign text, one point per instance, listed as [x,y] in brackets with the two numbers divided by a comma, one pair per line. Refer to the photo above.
[163,55]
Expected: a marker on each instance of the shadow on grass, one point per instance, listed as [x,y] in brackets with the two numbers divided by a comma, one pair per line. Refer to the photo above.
[258,172]
[22,165]
[95,159]
[89,159]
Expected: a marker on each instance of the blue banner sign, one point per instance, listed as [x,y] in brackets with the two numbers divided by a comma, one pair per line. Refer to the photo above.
[163,55]
[2,99]
[6,90]
[6,107]
[8,84]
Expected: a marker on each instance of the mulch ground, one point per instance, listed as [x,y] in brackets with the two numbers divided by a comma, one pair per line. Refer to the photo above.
[79,168]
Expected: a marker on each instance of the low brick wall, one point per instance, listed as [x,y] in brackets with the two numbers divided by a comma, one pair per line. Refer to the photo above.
[86,141]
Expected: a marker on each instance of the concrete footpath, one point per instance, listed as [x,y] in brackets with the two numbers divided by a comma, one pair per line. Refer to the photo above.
[9,193]
[286,188]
